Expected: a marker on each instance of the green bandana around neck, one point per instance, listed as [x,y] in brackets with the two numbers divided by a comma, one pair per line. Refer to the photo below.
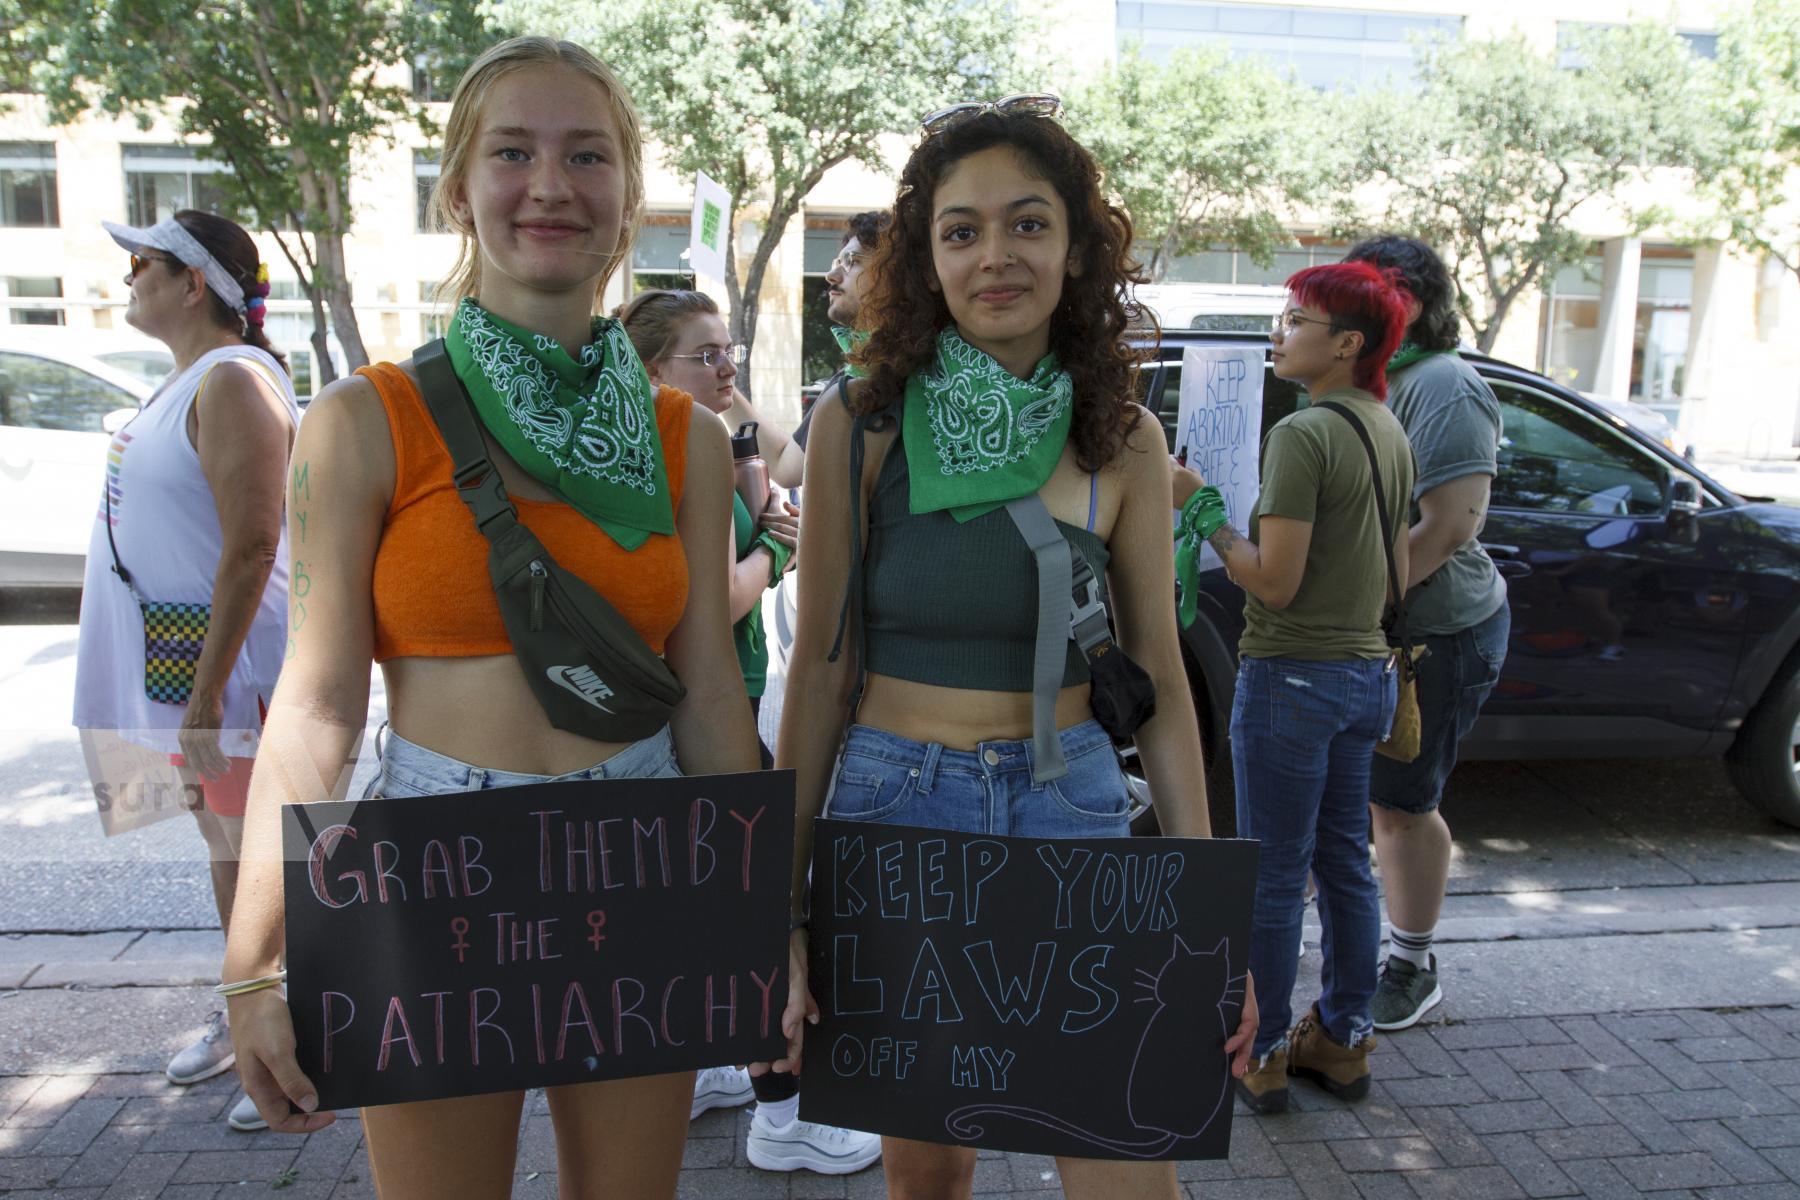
[976,435]
[1410,353]
[586,428]
[849,341]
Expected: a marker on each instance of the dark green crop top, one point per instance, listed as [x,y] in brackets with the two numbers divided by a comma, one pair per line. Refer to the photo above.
[955,604]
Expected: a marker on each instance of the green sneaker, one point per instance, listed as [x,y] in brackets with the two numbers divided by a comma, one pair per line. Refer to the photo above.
[1406,993]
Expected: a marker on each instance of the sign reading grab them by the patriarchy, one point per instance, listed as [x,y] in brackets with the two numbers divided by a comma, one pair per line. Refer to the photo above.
[1068,996]
[534,936]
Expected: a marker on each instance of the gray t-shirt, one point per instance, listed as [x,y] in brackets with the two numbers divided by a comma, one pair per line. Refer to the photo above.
[1452,419]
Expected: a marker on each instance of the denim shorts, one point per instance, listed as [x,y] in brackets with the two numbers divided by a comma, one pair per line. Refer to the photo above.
[412,770]
[893,780]
[1456,676]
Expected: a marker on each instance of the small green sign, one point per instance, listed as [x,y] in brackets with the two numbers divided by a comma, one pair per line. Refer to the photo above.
[709,224]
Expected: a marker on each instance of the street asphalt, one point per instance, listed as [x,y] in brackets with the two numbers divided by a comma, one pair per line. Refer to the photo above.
[1620,956]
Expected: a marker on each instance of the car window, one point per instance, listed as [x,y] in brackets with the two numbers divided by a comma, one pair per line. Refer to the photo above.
[37,393]
[1554,458]
[151,366]
[1280,397]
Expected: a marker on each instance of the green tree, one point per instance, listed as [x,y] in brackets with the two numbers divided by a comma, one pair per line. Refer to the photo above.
[766,96]
[1201,150]
[1498,148]
[282,93]
[1752,176]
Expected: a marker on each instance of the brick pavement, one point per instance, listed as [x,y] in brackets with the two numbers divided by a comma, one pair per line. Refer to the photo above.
[1697,1103]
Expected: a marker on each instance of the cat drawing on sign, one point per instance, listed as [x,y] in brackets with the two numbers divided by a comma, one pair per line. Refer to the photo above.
[1194,997]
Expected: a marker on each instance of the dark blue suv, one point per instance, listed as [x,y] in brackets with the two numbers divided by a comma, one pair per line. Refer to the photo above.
[1655,613]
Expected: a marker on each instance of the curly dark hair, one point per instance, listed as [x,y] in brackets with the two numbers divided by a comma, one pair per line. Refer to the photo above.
[1424,275]
[866,228]
[904,314]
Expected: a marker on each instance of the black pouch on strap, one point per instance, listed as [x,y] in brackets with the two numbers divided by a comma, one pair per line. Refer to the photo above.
[589,669]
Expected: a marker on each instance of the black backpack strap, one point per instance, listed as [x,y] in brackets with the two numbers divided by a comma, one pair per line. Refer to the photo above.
[1381,515]
[477,482]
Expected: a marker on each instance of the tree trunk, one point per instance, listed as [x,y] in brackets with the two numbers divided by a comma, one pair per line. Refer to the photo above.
[734,295]
[1487,333]
[333,283]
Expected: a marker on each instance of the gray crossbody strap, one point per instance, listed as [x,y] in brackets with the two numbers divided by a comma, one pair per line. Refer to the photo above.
[1054,580]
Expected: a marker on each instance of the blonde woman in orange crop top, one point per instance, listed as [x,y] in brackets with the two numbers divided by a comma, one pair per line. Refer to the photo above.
[542,176]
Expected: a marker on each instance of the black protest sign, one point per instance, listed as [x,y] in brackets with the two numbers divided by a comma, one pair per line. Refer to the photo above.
[540,935]
[1067,996]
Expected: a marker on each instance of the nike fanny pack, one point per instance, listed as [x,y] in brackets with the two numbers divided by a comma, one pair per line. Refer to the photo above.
[589,669]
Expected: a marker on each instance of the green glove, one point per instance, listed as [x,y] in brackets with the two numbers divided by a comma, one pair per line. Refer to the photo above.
[1202,516]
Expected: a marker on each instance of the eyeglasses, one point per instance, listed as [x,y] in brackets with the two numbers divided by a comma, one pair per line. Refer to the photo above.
[140,261]
[1290,321]
[713,356]
[1032,104]
[846,263]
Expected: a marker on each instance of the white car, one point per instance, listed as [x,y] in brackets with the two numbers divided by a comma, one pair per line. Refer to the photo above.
[58,412]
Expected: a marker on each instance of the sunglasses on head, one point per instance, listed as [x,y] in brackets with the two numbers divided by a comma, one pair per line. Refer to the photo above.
[1031,104]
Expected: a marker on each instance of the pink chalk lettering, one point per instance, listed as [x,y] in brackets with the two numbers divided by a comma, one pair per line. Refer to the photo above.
[606,879]
[479,1021]
[656,831]
[434,849]
[621,1010]
[537,1020]
[670,1039]
[437,1018]
[697,842]
[323,846]
[729,1008]
[543,816]
[500,936]
[395,1013]
[472,862]
[596,921]
[749,838]
[460,927]
[384,871]
[331,1031]
[763,986]
[572,995]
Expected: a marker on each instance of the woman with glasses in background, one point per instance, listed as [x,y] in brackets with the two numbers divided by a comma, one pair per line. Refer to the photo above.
[1316,687]
[996,369]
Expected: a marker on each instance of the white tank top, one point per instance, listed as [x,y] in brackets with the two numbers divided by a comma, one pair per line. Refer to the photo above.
[166,525]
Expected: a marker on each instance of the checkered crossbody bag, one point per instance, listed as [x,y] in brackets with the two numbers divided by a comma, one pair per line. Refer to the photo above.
[174,633]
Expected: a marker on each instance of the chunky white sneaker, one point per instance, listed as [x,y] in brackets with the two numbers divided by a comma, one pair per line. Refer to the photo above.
[804,1146]
[720,1087]
[211,1055]
[244,1118]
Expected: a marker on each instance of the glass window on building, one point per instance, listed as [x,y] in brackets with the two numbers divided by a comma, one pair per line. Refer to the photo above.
[159,180]
[1571,342]
[1569,56]
[434,322]
[659,256]
[1324,47]
[426,170]
[25,296]
[1222,265]
[1660,336]
[28,184]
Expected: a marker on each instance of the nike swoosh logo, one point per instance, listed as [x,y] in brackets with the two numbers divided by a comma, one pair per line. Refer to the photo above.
[559,676]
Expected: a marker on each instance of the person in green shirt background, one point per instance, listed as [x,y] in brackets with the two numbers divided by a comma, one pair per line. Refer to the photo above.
[1315,688]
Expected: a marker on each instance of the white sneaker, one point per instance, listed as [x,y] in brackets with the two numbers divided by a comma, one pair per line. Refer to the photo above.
[211,1055]
[244,1118]
[804,1146]
[720,1087]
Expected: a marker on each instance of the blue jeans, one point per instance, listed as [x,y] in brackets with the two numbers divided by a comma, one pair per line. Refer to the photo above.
[1302,735]
[1456,676]
[893,780]
[412,770]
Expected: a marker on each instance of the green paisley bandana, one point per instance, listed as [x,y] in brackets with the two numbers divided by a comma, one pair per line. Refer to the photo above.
[1410,353]
[849,341]
[586,429]
[976,435]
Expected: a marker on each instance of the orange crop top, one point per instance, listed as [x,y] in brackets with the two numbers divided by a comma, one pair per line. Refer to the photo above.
[433,597]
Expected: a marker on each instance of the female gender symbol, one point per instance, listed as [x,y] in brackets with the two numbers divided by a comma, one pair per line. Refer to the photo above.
[460,927]
[595,920]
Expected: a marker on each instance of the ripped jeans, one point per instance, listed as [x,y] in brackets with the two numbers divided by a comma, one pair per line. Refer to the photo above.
[1302,737]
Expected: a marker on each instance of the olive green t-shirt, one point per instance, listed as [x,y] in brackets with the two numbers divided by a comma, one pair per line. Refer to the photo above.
[1314,469]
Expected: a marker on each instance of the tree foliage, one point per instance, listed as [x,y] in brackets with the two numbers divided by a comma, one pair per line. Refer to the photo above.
[1498,148]
[766,96]
[1202,150]
[1752,175]
[282,92]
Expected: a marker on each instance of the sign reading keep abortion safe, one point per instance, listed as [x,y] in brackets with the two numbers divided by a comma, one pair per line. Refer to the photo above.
[533,936]
[1219,425]
[1051,997]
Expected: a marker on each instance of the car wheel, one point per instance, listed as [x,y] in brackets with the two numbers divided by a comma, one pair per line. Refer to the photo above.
[1764,761]
[1221,789]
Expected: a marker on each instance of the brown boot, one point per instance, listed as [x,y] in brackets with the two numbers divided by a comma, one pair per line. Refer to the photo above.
[1340,1070]
[1265,1088]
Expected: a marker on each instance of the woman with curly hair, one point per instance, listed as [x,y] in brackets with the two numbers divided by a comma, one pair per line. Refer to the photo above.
[996,368]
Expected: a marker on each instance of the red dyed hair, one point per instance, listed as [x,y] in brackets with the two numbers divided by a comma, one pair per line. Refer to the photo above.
[1365,298]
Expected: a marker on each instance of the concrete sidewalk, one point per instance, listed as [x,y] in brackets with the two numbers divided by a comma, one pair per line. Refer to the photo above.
[1680,1103]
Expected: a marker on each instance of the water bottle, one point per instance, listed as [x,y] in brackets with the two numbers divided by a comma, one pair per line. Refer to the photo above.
[748,471]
